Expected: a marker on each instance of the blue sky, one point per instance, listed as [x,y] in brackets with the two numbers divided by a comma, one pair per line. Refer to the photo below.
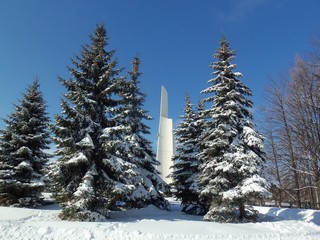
[175,40]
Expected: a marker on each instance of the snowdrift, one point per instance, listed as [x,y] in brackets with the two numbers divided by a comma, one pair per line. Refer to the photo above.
[154,224]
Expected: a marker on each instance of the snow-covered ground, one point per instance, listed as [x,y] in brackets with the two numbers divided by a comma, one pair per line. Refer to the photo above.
[152,223]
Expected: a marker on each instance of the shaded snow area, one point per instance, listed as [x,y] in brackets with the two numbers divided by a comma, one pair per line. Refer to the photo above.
[152,223]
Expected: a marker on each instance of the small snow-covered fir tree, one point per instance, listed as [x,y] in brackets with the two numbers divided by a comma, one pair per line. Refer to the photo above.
[186,161]
[22,156]
[232,151]
[134,149]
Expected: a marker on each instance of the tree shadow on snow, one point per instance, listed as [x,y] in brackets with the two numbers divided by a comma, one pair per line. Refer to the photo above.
[153,213]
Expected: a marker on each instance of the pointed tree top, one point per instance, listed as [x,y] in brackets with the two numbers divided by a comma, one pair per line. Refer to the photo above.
[135,64]
[224,52]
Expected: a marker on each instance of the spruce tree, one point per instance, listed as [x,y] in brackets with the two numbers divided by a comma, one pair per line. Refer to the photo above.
[22,156]
[232,151]
[135,149]
[200,123]
[87,178]
[186,161]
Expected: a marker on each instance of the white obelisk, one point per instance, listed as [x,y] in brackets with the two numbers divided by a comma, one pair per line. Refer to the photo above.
[165,148]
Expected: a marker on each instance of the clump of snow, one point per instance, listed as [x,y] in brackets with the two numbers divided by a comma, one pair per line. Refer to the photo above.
[86,142]
[25,165]
[152,223]
[86,184]
[252,139]
[80,157]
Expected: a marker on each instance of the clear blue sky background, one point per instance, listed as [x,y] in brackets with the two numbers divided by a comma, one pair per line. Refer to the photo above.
[175,40]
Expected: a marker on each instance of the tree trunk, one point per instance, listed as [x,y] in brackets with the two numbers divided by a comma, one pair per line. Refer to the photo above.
[242,211]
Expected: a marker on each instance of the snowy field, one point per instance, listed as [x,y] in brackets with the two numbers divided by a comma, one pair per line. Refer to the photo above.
[152,223]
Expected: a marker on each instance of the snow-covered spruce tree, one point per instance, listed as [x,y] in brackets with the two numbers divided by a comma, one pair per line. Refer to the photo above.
[134,149]
[88,177]
[186,161]
[232,151]
[200,124]
[22,156]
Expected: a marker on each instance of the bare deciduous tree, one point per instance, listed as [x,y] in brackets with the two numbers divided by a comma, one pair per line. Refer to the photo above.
[293,134]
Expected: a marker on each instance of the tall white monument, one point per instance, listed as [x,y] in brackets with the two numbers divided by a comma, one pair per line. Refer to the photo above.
[165,148]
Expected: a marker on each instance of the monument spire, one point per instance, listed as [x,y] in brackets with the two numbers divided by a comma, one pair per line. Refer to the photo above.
[165,148]
[164,102]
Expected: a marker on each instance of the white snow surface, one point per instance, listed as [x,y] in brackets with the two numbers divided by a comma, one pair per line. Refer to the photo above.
[154,224]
